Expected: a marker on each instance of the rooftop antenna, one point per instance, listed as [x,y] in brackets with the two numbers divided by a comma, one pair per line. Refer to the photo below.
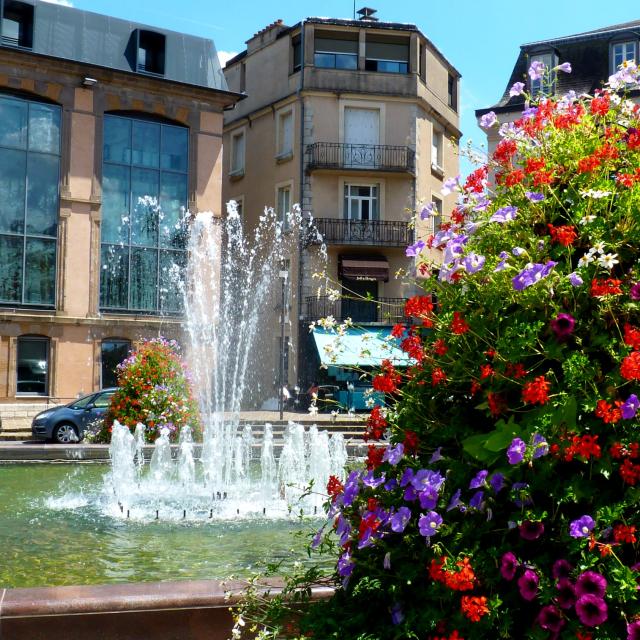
[366,14]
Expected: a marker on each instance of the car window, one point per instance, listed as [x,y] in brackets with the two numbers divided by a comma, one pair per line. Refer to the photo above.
[83,402]
[103,400]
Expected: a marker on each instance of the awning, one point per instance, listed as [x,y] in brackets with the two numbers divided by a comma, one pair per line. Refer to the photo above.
[360,347]
[365,269]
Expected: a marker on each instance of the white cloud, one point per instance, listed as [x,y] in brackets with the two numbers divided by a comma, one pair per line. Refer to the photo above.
[64,3]
[225,56]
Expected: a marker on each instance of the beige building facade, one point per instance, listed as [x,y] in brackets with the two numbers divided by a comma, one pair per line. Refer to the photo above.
[105,140]
[357,121]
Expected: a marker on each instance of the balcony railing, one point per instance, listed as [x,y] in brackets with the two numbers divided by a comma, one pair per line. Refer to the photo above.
[390,233]
[379,311]
[367,157]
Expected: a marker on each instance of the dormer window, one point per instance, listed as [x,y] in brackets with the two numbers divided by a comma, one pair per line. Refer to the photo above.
[17,24]
[151,52]
[544,85]
[622,52]
[387,54]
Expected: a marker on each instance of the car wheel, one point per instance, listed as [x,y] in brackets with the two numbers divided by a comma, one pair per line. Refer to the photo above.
[65,433]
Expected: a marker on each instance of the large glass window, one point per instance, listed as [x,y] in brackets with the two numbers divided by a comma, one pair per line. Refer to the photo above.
[336,51]
[144,195]
[33,366]
[622,52]
[29,197]
[361,202]
[283,205]
[387,55]
[113,352]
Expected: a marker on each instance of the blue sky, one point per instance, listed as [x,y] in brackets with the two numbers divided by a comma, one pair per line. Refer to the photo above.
[481,38]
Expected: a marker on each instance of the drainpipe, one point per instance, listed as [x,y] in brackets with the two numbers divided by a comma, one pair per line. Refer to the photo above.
[301,234]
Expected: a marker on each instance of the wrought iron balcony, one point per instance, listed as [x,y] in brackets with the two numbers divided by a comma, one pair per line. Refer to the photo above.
[379,311]
[365,157]
[390,233]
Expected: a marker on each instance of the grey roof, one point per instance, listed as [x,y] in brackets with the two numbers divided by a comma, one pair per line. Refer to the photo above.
[587,52]
[95,39]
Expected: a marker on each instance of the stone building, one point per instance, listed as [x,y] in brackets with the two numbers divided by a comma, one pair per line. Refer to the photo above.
[356,120]
[108,131]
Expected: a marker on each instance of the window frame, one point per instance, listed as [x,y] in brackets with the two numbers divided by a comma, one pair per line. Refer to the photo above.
[120,341]
[543,86]
[161,53]
[436,221]
[25,235]
[283,154]
[287,185]
[237,172]
[452,91]
[375,212]
[627,41]
[47,379]
[30,22]
[437,163]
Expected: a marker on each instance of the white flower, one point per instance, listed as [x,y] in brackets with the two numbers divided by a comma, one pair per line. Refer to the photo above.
[595,193]
[586,260]
[608,260]
[587,219]
[599,247]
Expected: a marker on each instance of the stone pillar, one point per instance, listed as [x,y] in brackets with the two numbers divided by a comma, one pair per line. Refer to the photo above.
[362,49]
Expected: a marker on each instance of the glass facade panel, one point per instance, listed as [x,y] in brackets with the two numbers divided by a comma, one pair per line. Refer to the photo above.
[42,195]
[11,257]
[29,201]
[40,271]
[113,352]
[142,211]
[32,366]
[172,266]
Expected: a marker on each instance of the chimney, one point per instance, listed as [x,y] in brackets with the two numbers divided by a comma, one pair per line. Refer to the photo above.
[366,14]
[265,36]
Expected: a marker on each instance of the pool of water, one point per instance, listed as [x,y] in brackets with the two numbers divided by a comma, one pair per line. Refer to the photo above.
[52,532]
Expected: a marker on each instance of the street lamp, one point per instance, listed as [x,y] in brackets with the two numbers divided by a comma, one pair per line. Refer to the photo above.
[283,274]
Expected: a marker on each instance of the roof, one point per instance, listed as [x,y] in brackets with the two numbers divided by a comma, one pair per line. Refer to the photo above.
[91,38]
[588,53]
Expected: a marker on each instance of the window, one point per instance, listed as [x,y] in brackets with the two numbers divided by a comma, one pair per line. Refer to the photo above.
[237,154]
[361,202]
[33,366]
[436,216]
[452,92]
[283,205]
[285,134]
[545,84]
[296,54]
[17,24]
[387,55]
[144,195]
[243,77]
[103,400]
[622,52]
[112,353]
[29,201]
[336,51]
[437,144]
[151,52]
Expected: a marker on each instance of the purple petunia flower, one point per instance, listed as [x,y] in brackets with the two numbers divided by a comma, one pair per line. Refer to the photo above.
[479,479]
[532,274]
[429,524]
[509,566]
[630,407]
[517,89]
[591,610]
[518,251]
[566,596]
[551,619]
[633,630]
[369,480]
[497,482]
[449,185]
[531,530]
[528,584]
[351,489]
[501,266]
[582,527]
[473,263]
[426,478]
[565,67]
[505,214]
[426,211]
[345,565]
[536,70]
[414,250]
[437,455]
[561,569]
[516,451]
[575,280]
[592,583]
[393,455]
[400,519]
[488,120]
[534,196]
[476,501]
[428,498]
[407,477]
[563,325]
[540,446]
[520,491]
[397,616]
[455,501]
[634,291]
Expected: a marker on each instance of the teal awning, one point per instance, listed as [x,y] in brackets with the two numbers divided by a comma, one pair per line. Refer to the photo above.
[359,347]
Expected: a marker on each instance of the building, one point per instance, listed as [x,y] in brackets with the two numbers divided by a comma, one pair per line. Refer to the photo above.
[102,121]
[593,55]
[356,120]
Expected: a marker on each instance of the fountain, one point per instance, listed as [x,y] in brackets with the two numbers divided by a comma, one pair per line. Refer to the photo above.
[224,294]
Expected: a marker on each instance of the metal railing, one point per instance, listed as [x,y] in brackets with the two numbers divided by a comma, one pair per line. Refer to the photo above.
[378,311]
[371,157]
[391,233]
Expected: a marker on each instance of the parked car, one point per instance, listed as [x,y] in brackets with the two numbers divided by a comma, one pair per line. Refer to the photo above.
[68,423]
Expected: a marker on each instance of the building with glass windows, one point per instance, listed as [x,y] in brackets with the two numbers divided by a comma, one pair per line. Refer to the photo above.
[593,55]
[356,120]
[109,131]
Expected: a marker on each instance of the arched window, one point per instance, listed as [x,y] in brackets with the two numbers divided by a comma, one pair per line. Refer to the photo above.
[144,195]
[112,352]
[32,366]
[29,201]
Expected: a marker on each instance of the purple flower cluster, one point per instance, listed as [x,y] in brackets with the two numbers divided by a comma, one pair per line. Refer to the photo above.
[532,274]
